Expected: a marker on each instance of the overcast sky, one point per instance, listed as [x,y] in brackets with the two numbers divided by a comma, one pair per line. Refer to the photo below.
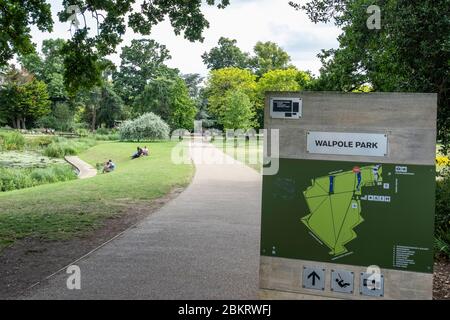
[247,21]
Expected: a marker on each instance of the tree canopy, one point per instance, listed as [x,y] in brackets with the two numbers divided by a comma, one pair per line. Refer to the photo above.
[410,53]
[221,81]
[225,55]
[269,56]
[89,43]
[23,98]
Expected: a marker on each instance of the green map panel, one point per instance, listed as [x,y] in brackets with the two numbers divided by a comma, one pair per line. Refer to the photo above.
[350,213]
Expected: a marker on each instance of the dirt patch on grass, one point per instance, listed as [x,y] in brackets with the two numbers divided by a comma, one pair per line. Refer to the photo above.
[31,260]
[441,286]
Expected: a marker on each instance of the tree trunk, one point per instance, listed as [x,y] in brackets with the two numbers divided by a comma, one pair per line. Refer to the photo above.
[94,115]
[24,127]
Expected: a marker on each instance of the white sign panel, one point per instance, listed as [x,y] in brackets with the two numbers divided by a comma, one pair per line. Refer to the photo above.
[345,143]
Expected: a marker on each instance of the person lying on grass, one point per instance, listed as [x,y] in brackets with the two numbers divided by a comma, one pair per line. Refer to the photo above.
[137,154]
[140,152]
[109,166]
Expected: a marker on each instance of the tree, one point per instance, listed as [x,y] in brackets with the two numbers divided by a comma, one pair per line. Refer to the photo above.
[411,51]
[23,98]
[15,18]
[221,81]
[48,68]
[168,98]
[148,126]
[100,106]
[91,42]
[193,82]
[141,61]
[238,111]
[226,54]
[269,56]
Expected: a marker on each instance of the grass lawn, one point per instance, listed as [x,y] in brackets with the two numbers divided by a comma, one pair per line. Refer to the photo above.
[62,210]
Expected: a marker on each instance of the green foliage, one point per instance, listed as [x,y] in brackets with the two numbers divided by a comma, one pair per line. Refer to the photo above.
[238,112]
[282,80]
[11,140]
[269,56]
[38,142]
[169,98]
[100,106]
[140,61]
[442,217]
[149,126]
[61,147]
[226,55]
[228,79]
[60,119]
[410,53]
[84,49]
[15,18]
[13,178]
[23,98]
[49,67]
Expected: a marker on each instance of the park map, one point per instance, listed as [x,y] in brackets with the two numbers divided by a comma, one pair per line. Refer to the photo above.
[334,202]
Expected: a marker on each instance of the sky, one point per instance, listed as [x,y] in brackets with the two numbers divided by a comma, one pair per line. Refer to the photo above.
[247,21]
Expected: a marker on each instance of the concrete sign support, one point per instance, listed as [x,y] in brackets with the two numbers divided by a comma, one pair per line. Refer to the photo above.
[351,208]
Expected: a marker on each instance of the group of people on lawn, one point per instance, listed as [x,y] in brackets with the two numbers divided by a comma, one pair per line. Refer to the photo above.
[140,152]
[110,165]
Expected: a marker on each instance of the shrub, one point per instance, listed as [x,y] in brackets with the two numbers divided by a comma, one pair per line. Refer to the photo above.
[62,147]
[14,178]
[442,218]
[149,126]
[11,140]
[38,142]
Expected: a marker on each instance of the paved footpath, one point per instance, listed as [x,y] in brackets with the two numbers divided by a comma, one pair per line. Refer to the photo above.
[202,245]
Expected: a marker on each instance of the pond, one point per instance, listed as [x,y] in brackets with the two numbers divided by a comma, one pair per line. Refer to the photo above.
[27,159]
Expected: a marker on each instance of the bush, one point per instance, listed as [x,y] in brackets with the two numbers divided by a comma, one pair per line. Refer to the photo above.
[107,137]
[442,218]
[11,140]
[62,147]
[38,142]
[14,178]
[149,126]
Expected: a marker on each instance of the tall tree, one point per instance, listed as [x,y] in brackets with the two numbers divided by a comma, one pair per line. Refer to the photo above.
[141,61]
[410,52]
[48,68]
[225,55]
[23,99]
[238,111]
[16,16]
[269,56]
[111,17]
[101,106]
[221,81]
[169,98]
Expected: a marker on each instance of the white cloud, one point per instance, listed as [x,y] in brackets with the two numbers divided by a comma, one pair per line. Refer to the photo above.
[247,21]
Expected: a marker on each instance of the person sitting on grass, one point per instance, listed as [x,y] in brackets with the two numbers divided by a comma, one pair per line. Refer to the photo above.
[145,151]
[109,166]
[137,154]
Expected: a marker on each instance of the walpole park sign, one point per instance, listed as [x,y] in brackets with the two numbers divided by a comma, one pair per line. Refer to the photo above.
[350,212]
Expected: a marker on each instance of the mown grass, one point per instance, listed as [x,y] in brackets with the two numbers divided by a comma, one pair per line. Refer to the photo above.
[65,209]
